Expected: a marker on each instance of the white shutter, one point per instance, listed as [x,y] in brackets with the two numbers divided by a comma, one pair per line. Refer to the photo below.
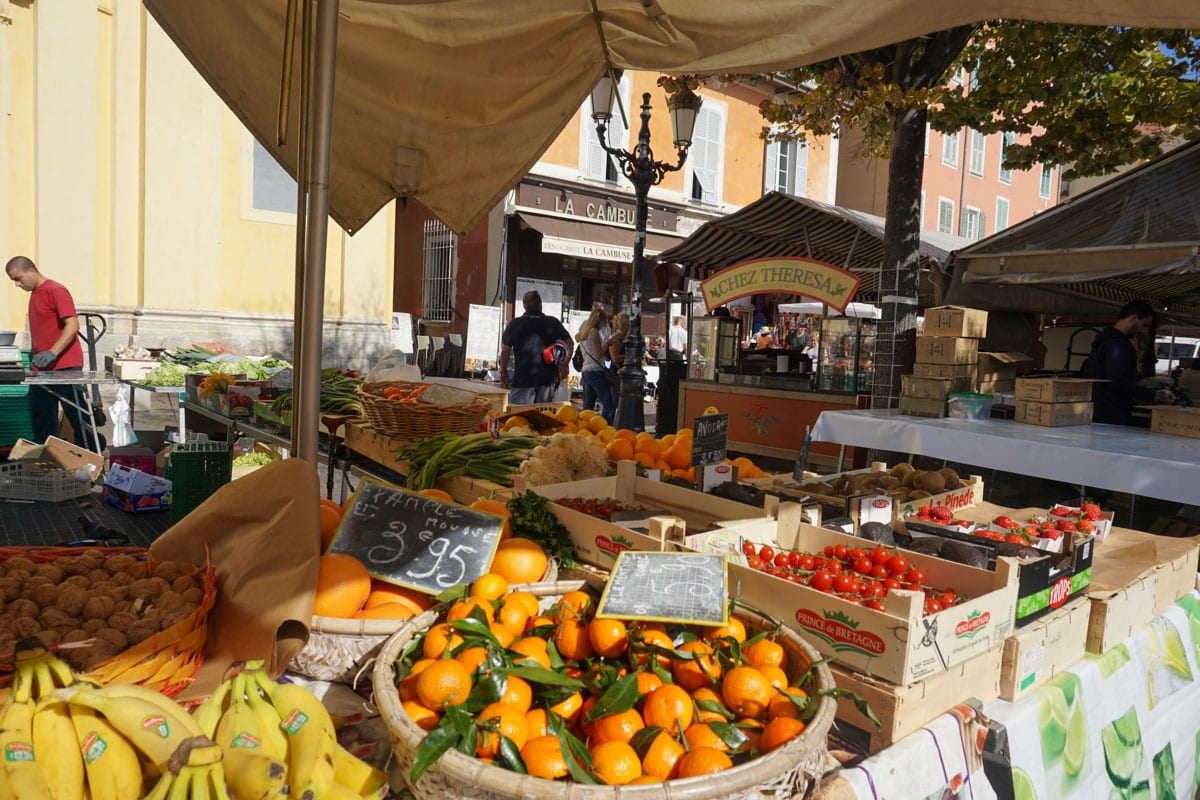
[706,157]
[800,182]
[771,168]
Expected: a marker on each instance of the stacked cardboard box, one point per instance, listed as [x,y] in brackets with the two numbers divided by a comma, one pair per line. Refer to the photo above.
[1054,401]
[947,358]
[997,372]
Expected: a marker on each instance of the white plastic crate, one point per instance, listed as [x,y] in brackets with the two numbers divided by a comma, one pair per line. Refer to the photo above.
[23,481]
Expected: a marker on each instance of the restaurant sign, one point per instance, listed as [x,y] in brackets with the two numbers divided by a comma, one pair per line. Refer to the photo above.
[815,280]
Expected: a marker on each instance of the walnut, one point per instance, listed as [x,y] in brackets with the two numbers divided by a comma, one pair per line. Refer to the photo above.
[118,640]
[92,625]
[82,581]
[138,570]
[148,587]
[109,588]
[62,561]
[78,566]
[53,615]
[142,629]
[22,607]
[122,620]
[98,606]
[121,578]
[77,657]
[25,626]
[172,618]
[185,582]
[19,563]
[123,605]
[94,558]
[10,588]
[32,582]
[48,638]
[115,564]
[44,595]
[193,596]
[50,573]
[169,601]
[97,654]
[71,599]
[76,635]
[167,570]
[98,576]
[62,628]
[152,614]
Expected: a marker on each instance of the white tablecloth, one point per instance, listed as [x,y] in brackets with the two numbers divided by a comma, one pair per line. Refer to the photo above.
[1099,456]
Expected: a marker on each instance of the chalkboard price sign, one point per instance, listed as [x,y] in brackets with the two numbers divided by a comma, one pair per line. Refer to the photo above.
[710,438]
[667,587]
[409,539]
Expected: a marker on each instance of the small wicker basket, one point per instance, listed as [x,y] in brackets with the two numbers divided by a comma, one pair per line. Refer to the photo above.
[412,421]
[789,771]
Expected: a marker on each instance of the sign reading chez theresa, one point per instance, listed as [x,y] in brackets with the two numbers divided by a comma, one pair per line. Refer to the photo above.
[816,280]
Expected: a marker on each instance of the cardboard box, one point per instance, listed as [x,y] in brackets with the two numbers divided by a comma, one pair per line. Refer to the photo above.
[1135,576]
[993,366]
[947,350]
[1053,414]
[59,453]
[1055,390]
[136,492]
[139,458]
[946,371]
[956,321]
[1176,421]
[922,407]
[904,709]
[933,388]
[1046,647]
[130,369]
[996,386]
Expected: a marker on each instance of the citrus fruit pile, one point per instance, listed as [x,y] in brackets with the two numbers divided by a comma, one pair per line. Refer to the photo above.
[551,691]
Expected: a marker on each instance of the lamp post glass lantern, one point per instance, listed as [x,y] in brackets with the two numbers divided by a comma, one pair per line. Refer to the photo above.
[643,172]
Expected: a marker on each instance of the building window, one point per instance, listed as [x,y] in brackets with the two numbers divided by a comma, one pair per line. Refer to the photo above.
[950,149]
[945,222]
[703,179]
[596,164]
[273,189]
[787,167]
[973,223]
[440,261]
[1047,176]
[1005,174]
[1001,214]
[978,152]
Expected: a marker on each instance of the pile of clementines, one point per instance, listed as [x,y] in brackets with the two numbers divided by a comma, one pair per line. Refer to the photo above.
[552,691]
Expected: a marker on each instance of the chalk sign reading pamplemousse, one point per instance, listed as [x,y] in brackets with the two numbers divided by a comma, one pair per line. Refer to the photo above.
[409,539]
[667,587]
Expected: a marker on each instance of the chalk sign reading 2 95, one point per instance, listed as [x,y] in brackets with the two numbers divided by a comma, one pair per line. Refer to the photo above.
[417,541]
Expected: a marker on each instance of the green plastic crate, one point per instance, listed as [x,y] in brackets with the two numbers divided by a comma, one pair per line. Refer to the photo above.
[196,471]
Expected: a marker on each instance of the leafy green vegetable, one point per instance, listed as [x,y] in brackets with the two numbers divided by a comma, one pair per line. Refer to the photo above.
[533,519]
[253,460]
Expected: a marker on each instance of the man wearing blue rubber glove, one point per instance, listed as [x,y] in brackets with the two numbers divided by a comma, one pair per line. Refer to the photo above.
[54,331]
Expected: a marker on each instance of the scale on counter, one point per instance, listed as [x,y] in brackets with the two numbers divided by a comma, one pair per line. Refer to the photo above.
[11,370]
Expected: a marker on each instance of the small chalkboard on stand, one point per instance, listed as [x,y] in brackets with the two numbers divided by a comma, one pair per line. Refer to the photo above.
[409,539]
[710,439]
[667,587]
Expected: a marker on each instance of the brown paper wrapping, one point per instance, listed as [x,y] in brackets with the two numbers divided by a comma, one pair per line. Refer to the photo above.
[264,533]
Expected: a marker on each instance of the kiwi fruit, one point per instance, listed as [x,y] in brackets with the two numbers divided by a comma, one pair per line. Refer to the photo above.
[916,494]
[950,477]
[888,482]
[901,469]
[909,478]
[932,482]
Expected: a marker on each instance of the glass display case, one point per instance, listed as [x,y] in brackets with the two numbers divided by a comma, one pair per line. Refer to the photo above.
[714,346]
[846,354]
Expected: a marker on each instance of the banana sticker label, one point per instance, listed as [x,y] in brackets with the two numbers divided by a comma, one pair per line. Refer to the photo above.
[247,740]
[18,751]
[93,747]
[158,725]
[294,721]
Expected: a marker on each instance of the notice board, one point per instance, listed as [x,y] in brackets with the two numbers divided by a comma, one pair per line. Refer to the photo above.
[667,587]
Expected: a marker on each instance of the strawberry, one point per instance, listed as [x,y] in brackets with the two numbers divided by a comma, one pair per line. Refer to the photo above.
[1006,522]
[942,514]
[1061,511]
[1053,534]
[924,512]
[1093,513]
[1015,538]
[1085,526]
[1088,507]
[1066,525]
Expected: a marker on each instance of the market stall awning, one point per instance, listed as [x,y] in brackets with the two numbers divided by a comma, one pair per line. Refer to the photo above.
[1136,236]
[779,225]
[592,240]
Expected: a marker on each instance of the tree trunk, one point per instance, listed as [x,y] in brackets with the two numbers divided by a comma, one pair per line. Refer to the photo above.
[895,341]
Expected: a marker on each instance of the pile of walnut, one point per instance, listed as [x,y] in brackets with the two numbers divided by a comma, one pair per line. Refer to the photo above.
[115,601]
[902,482]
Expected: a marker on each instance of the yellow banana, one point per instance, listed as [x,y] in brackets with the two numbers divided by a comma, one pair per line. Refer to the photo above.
[251,773]
[208,713]
[339,792]
[218,781]
[174,712]
[275,741]
[161,788]
[181,786]
[43,678]
[111,763]
[56,748]
[200,785]
[20,771]
[357,775]
[311,740]
[63,676]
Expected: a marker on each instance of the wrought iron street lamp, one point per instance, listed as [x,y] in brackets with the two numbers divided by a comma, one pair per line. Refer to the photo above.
[643,172]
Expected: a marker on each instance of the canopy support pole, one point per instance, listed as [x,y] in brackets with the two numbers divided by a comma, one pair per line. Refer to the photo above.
[307,396]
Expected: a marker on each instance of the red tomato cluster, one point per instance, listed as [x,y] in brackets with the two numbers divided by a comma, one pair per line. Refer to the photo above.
[603,508]
[857,575]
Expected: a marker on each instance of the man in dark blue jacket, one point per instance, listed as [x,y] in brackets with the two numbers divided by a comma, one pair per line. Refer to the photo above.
[1114,362]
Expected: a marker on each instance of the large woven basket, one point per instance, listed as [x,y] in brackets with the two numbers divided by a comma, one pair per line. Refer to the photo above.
[166,661]
[789,771]
[413,421]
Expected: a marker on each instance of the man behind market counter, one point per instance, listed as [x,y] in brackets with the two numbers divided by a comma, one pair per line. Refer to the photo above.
[54,331]
[534,379]
[1114,362]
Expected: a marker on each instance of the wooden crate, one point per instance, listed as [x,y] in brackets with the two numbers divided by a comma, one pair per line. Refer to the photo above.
[1044,648]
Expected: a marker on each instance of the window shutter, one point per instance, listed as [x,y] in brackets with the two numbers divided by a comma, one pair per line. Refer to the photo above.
[982,232]
[962,221]
[770,178]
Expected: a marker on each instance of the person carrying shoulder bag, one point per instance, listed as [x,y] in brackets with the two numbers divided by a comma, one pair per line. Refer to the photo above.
[596,389]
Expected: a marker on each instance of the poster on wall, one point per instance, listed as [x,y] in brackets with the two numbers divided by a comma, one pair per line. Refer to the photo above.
[483,337]
[551,292]
[402,332]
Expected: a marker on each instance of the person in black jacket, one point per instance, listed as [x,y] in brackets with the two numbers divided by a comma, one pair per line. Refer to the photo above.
[1113,361]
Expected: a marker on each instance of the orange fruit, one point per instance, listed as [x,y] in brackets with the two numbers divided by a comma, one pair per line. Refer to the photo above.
[500,509]
[651,448]
[733,629]
[489,587]
[680,454]
[529,649]
[504,634]
[646,460]
[533,623]
[543,757]
[569,708]
[666,442]
[647,682]
[703,670]
[779,732]
[708,696]
[662,757]
[597,424]
[439,639]
[513,614]
[616,763]
[670,707]
[472,657]
[626,434]
[753,729]
[774,675]
[608,636]
[539,722]
[702,761]
[526,599]
[438,494]
[465,608]
[619,727]
[383,593]
[385,611]
[781,706]
[444,683]
[343,586]
[408,686]
[746,691]
[517,692]
[519,560]
[764,651]
[575,604]
[572,640]
[619,450]
[422,716]
[330,516]
[510,721]
[701,735]
[656,638]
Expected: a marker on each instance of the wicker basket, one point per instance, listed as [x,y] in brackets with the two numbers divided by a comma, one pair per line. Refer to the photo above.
[413,421]
[166,661]
[789,771]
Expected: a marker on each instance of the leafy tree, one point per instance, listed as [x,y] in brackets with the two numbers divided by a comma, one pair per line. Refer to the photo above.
[1090,98]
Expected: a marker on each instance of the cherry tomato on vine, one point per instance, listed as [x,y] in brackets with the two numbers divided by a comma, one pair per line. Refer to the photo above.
[748,548]
[807,562]
[766,553]
[835,567]
[781,560]
[840,551]
[897,565]
[843,584]
[857,553]
[863,565]
[932,606]
[828,551]
[754,562]
[821,580]
[794,559]
[878,605]
[892,583]
[880,555]
[880,571]
[915,576]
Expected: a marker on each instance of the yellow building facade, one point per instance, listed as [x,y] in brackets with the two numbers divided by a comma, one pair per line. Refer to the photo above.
[125,177]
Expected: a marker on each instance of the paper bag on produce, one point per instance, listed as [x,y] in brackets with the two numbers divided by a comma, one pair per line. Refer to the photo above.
[264,532]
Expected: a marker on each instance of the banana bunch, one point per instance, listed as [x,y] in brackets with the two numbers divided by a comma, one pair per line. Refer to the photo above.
[280,741]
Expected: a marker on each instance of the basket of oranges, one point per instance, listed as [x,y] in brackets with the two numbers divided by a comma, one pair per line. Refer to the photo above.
[521,692]
[404,410]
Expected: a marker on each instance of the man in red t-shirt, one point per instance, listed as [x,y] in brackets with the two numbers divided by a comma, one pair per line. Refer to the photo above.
[54,331]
